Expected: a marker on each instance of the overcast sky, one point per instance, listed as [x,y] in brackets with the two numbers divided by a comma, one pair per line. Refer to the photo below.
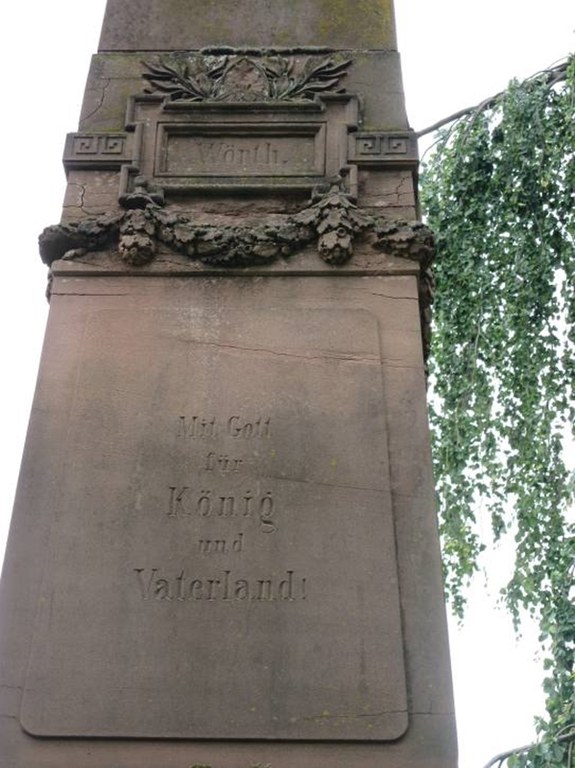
[455,53]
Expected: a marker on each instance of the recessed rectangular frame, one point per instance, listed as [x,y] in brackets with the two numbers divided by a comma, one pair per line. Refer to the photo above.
[239,150]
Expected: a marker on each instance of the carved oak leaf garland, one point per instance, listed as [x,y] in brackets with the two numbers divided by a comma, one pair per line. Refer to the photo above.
[332,220]
[199,77]
[335,219]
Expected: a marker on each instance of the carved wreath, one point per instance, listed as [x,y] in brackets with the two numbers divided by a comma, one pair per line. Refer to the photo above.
[200,77]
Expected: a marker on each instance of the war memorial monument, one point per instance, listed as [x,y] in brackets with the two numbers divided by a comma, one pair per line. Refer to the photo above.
[224,551]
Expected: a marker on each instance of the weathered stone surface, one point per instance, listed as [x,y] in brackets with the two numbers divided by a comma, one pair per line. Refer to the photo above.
[236,536]
[224,550]
[151,25]
[110,516]
[114,77]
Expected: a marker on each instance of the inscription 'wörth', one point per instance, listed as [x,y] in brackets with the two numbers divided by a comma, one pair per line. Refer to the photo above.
[193,155]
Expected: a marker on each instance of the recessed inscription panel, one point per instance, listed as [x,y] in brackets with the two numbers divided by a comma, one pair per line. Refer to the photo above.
[190,151]
[222,562]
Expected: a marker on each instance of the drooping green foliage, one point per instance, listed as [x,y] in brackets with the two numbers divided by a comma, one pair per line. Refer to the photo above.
[499,191]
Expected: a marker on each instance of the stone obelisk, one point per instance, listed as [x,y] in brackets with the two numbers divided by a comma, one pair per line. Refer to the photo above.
[224,550]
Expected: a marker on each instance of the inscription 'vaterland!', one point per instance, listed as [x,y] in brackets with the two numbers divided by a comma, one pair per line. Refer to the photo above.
[154,585]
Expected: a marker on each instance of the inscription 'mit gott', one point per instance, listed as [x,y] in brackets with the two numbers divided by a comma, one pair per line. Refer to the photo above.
[199,427]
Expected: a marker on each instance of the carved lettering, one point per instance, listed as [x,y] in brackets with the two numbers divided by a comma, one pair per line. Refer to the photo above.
[221,546]
[212,546]
[197,427]
[176,507]
[145,584]
[252,765]
[184,501]
[243,428]
[221,463]
[192,154]
[151,585]
[254,154]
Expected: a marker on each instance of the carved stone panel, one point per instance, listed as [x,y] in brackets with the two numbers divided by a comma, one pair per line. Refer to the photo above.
[187,147]
[242,78]
[240,150]
[222,563]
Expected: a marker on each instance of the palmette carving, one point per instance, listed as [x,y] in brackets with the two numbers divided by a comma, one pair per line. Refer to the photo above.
[243,78]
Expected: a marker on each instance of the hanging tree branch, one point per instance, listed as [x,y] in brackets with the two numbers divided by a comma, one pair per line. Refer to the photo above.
[553,75]
[498,191]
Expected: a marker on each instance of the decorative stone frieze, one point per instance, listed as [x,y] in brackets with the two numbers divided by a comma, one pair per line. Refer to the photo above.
[331,220]
[199,77]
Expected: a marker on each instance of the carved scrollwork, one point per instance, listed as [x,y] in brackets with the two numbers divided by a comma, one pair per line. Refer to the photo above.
[242,78]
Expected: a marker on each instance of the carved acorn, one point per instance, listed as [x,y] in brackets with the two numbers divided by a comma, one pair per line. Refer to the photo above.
[335,220]
[137,242]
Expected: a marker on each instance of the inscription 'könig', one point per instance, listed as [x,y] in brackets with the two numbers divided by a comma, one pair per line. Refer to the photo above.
[184,502]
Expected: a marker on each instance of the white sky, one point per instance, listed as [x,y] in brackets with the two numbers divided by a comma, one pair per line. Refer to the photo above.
[455,53]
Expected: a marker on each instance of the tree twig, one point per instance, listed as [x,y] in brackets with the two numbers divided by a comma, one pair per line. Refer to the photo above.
[553,75]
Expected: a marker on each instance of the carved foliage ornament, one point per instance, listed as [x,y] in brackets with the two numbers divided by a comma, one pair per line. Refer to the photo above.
[332,220]
[243,78]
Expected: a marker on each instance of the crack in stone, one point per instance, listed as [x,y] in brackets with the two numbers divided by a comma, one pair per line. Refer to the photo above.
[355,716]
[81,194]
[389,296]
[343,358]
[345,486]
[98,106]
[391,364]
